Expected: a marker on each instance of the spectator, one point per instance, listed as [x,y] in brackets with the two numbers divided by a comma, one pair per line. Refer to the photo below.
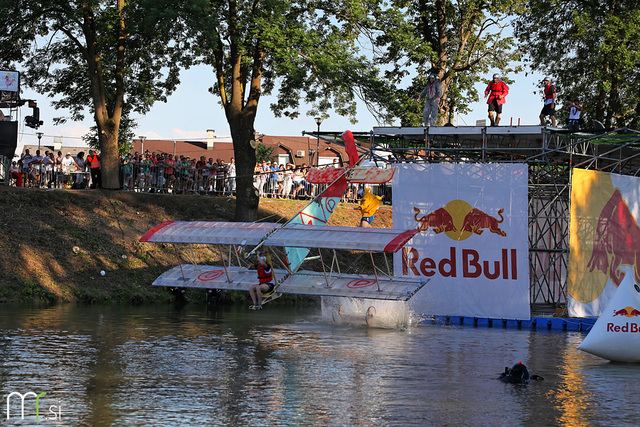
[94,163]
[232,177]
[25,160]
[35,167]
[79,181]
[127,170]
[15,173]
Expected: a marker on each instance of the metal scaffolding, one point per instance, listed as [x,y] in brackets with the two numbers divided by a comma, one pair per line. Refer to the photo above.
[551,154]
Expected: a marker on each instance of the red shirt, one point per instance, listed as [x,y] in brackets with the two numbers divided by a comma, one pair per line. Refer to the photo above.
[495,89]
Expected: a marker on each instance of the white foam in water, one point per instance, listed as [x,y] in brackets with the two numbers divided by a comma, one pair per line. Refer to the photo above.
[359,311]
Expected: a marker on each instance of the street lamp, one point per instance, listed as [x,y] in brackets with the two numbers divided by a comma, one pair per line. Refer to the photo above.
[39,135]
[142,138]
[318,122]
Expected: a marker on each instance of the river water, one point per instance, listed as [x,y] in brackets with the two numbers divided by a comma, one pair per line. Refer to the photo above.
[164,366]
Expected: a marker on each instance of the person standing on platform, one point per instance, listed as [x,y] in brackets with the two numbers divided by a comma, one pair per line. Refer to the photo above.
[495,93]
[549,108]
[94,164]
[574,116]
[432,93]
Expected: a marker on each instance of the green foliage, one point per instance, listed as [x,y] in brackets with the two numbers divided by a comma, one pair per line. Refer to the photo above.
[88,55]
[591,50]
[264,153]
[459,41]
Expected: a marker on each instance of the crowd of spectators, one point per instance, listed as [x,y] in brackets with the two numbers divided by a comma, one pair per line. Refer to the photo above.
[50,170]
[165,173]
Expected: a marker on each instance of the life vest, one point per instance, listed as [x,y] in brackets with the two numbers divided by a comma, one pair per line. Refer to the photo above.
[265,275]
[94,161]
[549,91]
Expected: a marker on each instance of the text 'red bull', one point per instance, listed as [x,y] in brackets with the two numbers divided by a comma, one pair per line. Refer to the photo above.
[627,327]
[471,266]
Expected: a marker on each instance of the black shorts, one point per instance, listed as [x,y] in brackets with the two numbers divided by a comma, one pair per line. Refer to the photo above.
[547,110]
[271,287]
[494,106]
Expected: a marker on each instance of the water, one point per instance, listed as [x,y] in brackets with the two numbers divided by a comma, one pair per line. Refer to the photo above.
[159,366]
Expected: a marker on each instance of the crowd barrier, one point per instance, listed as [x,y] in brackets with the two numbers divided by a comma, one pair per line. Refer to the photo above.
[178,180]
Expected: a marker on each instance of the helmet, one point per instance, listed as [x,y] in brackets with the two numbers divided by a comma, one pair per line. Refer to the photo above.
[496,76]
[547,79]
[432,76]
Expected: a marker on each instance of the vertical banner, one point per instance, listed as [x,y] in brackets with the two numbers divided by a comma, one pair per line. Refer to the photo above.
[473,242]
[604,239]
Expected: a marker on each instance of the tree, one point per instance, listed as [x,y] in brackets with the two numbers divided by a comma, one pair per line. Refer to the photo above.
[305,50]
[264,153]
[111,57]
[458,41]
[591,50]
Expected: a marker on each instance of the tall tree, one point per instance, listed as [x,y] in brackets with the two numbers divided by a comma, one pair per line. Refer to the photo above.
[591,49]
[458,41]
[305,50]
[112,57]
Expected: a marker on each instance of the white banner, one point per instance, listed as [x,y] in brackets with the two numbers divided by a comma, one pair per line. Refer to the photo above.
[474,239]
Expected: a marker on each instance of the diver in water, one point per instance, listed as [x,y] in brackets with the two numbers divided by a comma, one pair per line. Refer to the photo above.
[519,374]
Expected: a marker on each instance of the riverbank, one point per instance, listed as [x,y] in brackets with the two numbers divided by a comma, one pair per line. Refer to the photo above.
[54,243]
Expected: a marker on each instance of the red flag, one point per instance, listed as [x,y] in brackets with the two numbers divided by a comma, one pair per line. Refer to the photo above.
[350,148]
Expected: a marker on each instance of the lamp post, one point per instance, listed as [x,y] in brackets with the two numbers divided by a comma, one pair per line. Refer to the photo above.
[39,135]
[142,138]
[318,122]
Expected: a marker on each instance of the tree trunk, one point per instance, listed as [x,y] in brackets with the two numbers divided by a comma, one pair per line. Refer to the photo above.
[247,197]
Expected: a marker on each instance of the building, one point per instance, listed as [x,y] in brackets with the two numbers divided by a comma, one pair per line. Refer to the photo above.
[286,149]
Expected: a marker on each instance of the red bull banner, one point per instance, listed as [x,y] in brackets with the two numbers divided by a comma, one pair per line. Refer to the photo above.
[473,240]
[604,239]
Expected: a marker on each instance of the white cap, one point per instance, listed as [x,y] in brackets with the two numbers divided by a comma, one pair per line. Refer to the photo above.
[432,75]
[496,75]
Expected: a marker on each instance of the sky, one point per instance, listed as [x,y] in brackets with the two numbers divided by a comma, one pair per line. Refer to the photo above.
[191,110]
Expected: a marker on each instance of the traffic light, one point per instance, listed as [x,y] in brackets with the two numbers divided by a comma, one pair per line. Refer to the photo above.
[33,121]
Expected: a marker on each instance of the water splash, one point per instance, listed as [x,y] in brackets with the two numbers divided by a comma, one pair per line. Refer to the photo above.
[367,312]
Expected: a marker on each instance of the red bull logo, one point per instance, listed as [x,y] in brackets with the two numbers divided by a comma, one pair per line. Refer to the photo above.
[458,220]
[616,240]
[627,312]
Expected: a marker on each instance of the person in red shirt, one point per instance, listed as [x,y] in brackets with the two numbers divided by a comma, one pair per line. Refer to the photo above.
[549,108]
[265,285]
[495,93]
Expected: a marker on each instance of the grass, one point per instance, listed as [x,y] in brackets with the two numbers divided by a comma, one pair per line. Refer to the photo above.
[56,242]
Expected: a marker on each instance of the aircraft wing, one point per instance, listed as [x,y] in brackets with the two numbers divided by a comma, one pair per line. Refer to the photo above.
[353,286]
[336,237]
[291,235]
[303,282]
[213,233]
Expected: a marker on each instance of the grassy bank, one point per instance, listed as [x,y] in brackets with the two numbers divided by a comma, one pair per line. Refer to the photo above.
[55,243]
